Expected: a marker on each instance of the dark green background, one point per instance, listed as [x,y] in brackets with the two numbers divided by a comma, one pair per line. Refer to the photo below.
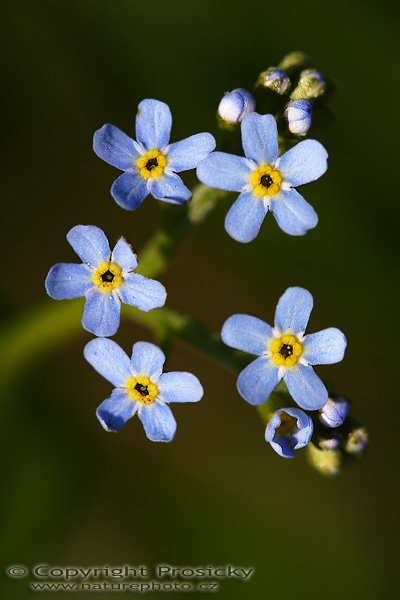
[73,494]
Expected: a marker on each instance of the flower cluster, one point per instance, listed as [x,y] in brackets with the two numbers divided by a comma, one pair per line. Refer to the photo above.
[285,352]
[106,278]
[281,380]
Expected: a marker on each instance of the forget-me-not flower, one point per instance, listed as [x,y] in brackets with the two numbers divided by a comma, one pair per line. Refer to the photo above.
[289,429]
[235,105]
[284,351]
[140,387]
[264,180]
[151,163]
[106,278]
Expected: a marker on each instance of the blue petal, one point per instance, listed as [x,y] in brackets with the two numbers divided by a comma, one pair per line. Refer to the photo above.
[101,314]
[260,138]
[129,190]
[325,347]
[303,163]
[153,124]
[246,333]
[293,310]
[294,215]
[158,422]
[124,255]
[245,218]
[257,381]
[187,154]
[141,292]
[224,171]
[90,243]
[170,188]
[66,281]
[114,412]
[179,387]
[284,446]
[147,359]
[108,359]
[115,147]
[306,388]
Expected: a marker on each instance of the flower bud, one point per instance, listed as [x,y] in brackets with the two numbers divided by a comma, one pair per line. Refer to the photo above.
[294,62]
[326,462]
[235,105]
[298,114]
[311,85]
[335,411]
[274,79]
[329,439]
[357,441]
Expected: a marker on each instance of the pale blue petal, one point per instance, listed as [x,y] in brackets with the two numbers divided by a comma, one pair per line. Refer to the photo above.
[90,243]
[303,163]
[260,138]
[114,412]
[124,255]
[245,217]
[102,313]
[66,281]
[147,359]
[153,124]
[115,147]
[187,154]
[170,188]
[293,213]
[142,292]
[325,347]
[306,388]
[257,381]
[129,190]
[179,387]
[246,333]
[224,171]
[158,422]
[284,446]
[293,310]
[108,359]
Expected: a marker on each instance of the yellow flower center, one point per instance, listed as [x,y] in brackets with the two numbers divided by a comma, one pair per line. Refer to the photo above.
[288,423]
[141,389]
[152,164]
[285,350]
[265,181]
[107,277]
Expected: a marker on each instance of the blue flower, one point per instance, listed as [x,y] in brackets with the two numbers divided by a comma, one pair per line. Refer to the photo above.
[140,387]
[284,351]
[289,429]
[105,278]
[150,164]
[335,412]
[235,105]
[298,114]
[265,182]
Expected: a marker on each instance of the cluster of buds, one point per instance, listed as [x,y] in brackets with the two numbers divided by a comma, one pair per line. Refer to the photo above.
[338,438]
[294,91]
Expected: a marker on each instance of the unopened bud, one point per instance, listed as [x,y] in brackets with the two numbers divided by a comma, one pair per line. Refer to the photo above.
[357,441]
[311,85]
[298,114]
[335,412]
[294,62]
[326,462]
[235,105]
[274,79]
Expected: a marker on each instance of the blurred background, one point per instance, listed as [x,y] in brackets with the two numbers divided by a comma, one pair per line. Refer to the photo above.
[73,494]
